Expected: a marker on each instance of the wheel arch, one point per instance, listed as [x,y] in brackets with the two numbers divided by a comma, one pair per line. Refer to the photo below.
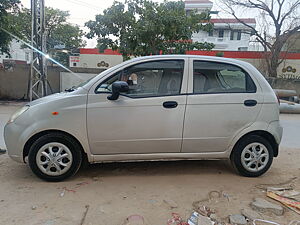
[262,133]
[36,136]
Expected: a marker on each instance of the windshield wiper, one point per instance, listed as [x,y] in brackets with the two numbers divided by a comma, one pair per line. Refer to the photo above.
[70,89]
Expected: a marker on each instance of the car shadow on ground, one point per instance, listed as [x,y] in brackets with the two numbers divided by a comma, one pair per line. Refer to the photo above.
[202,168]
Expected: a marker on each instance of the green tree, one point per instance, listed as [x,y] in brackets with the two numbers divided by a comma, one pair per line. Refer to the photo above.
[143,27]
[7,7]
[58,31]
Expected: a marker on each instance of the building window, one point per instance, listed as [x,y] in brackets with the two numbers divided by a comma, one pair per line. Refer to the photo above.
[74,64]
[242,48]
[235,35]
[26,56]
[239,35]
[211,33]
[221,33]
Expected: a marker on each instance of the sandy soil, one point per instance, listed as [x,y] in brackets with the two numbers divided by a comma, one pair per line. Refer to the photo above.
[117,190]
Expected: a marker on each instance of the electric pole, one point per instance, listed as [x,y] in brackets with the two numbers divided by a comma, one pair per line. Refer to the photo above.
[38,83]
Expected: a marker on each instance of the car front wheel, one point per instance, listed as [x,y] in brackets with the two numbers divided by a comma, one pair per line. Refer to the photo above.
[55,157]
[252,156]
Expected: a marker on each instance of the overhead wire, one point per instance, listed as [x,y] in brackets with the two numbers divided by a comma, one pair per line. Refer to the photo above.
[84,4]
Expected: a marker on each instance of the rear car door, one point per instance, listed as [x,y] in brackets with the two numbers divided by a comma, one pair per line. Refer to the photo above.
[146,119]
[223,100]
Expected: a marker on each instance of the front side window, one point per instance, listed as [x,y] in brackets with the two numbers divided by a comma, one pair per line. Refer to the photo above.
[150,79]
[213,77]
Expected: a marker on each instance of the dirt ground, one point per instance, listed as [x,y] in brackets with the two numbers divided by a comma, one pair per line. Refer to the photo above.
[116,190]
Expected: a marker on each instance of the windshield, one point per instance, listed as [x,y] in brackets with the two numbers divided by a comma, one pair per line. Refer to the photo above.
[103,73]
[73,88]
[84,82]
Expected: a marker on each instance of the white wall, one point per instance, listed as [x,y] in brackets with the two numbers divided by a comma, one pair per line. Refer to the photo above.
[260,64]
[94,61]
[17,53]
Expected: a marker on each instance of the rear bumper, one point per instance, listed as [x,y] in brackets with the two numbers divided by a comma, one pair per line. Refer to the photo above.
[276,130]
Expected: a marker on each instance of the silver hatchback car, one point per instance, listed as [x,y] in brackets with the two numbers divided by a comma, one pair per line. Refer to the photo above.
[171,107]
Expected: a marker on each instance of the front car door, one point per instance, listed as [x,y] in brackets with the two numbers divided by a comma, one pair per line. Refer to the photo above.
[224,99]
[146,119]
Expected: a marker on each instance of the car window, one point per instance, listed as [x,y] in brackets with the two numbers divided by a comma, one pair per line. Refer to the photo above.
[155,78]
[213,77]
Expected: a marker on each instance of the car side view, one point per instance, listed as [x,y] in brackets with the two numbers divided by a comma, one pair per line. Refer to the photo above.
[171,107]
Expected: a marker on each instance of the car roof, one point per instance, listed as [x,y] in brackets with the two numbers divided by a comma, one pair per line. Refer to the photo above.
[200,57]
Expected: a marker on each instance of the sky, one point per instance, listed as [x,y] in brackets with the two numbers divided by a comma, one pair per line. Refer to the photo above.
[82,11]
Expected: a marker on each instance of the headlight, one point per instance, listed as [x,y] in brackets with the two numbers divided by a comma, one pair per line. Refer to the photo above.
[18,113]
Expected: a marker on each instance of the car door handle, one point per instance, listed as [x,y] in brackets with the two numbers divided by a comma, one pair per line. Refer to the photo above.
[250,102]
[170,104]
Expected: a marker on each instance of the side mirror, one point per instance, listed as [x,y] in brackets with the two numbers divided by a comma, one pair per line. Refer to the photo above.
[117,87]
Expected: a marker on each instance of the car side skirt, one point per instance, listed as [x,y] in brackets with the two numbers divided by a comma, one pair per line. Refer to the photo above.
[159,157]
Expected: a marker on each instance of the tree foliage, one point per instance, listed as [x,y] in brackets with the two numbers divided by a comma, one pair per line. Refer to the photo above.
[7,7]
[58,31]
[143,27]
[279,16]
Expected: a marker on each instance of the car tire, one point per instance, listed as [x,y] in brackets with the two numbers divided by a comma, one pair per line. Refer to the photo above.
[252,156]
[55,157]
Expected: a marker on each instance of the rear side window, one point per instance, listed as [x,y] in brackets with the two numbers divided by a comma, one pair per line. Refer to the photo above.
[213,77]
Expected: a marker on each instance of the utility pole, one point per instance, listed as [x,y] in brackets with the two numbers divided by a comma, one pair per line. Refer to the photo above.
[38,83]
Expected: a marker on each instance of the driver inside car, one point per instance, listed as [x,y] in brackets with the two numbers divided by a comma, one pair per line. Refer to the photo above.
[132,81]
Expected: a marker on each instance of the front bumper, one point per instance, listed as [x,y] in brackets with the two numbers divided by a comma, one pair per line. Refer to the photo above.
[13,141]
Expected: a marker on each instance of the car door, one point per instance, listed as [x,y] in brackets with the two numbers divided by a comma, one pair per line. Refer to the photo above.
[224,99]
[146,119]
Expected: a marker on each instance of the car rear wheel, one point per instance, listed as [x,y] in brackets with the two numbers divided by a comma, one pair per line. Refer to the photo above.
[252,156]
[55,157]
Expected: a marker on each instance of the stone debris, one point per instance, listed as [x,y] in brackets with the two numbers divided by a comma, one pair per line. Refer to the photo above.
[266,222]
[264,206]
[250,214]
[172,204]
[202,220]
[213,216]
[134,220]
[198,219]
[237,219]
[62,194]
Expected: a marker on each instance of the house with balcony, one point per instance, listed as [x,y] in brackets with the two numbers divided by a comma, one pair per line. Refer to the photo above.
[228,34]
